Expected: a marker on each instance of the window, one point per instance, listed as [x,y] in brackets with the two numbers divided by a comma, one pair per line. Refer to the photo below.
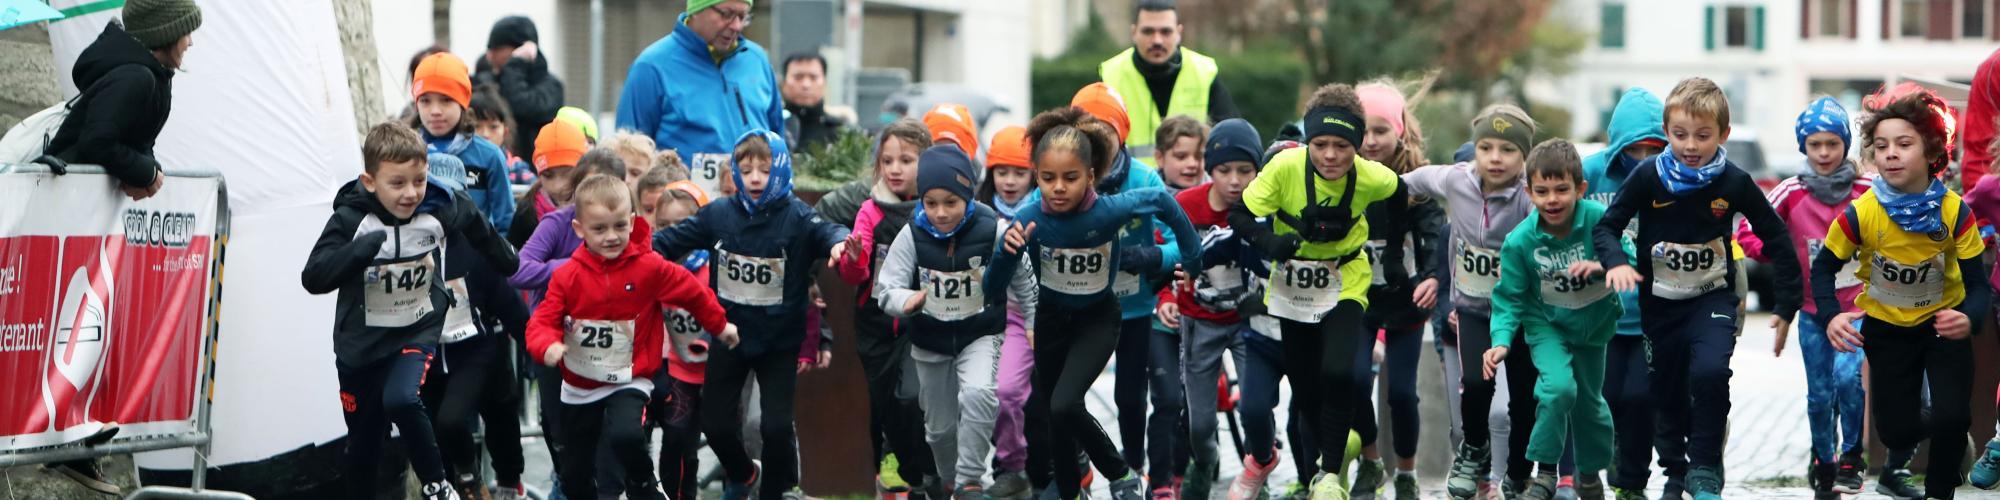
[1830,17]
[1972,15]
[1612,32]
[1914,14]
[1741,27]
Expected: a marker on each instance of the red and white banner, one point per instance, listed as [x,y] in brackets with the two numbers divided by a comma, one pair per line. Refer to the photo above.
[105,306]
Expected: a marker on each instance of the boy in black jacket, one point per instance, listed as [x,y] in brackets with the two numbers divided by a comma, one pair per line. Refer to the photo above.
[391,308]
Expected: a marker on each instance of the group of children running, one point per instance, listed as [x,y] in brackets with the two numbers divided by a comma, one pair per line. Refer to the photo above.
[993,289]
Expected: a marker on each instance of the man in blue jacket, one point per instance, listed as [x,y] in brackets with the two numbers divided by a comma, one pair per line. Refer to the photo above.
[701,87]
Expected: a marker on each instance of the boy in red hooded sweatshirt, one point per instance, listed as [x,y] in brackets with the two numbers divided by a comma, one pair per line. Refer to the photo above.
[602,323]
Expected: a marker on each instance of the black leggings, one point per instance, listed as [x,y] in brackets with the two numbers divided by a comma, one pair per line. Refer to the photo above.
[1319,362]
[895,421]
[1627,390]
[1129,387]
[1399,374]
[1901,359]
[616,422]
[675,409]
[1476,397]
[474,379]
[1071,349]
[376,395]
[721,421]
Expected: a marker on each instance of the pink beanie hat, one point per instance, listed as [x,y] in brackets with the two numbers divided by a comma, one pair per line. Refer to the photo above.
[1382,101]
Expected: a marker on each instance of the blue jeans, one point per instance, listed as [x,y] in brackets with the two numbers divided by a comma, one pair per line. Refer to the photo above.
[1833,391]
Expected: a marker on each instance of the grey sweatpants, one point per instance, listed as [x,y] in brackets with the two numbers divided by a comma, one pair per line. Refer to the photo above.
[1203,345]
[959,405]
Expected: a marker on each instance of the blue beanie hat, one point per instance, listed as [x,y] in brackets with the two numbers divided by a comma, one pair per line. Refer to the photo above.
[1824,115]
[1233,140]
[946,167]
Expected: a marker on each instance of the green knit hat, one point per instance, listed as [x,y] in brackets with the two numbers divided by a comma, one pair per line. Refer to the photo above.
[159,23]
[701,5]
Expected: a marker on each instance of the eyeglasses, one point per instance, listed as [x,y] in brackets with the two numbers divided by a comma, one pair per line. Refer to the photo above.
[744,16]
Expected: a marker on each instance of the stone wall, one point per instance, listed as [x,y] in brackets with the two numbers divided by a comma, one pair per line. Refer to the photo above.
[29,84]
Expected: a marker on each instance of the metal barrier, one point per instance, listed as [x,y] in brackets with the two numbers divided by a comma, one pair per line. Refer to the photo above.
[200,436]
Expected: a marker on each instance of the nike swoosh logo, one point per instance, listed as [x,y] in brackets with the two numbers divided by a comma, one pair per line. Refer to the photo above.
[1720,316]
[1658,204]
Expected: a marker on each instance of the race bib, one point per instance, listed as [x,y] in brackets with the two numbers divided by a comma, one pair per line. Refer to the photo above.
[1684,271]
[1908,286]
[1223,278]
[684,330]
[599,350]
[1849,275]
[954,295]
[1561,289]
[1125,284]
[398,294]
[458,323]
[751,281]
[707,170]
[1304,290]
[1375,249]
[1076,271]
[1478,270]
[1267,326]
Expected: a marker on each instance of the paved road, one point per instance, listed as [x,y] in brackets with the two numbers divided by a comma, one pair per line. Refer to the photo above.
[1769,439]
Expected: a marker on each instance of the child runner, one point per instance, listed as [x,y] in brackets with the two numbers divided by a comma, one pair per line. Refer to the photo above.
[1684,200]
[765,241]
[875,208]
[473,380]
[637,151]
[602,324]
[1072,235]
[1319,275]
[441,88]
[1005,188]
[391,308]
[1395,141]
[1636,135]
[1486,198]
[1550,291]
[1922,296]
[1205,315]
[676,404]
[556,153]
[1810,202]
[1260,370]
[930,279]
[493,121]
[1179,154]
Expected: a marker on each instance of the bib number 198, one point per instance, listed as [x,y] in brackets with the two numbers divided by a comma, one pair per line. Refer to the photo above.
[1309,277]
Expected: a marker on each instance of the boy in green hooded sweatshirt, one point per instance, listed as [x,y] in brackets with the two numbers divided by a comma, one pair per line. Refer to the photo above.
[1549,270]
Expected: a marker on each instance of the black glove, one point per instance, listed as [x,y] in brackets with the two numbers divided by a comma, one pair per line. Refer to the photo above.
[1139,259]
[1281,246]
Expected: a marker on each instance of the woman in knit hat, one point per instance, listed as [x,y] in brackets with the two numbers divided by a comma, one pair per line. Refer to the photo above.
[126,80]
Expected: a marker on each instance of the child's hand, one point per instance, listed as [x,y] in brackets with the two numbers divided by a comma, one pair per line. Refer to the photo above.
[554,355]
[1017,237]
[1453,320]
[1493,358]
[1585,268]
[1169,314]
[1426,296]
[841,252]
[1623,278]
[1783,326]
[825,360]
[916,302]
[1842,334]
[1379,353]
[728,336]
[1030,334]
[1953,325]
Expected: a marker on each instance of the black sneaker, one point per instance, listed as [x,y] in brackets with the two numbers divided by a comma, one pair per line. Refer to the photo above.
[1676,488]
[1847,478]
[1896,484]
[1822,481]
[86,474]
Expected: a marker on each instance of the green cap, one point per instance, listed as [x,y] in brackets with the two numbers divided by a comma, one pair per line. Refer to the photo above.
[701,5]
[580,118]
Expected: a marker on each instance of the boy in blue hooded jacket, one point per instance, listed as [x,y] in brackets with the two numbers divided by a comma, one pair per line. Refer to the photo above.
[1636,135]
[764,242]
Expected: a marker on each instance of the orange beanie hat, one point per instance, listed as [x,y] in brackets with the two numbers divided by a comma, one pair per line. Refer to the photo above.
[559,144]
[443,73]
[1009,148]
[1104,103]
[954,123]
